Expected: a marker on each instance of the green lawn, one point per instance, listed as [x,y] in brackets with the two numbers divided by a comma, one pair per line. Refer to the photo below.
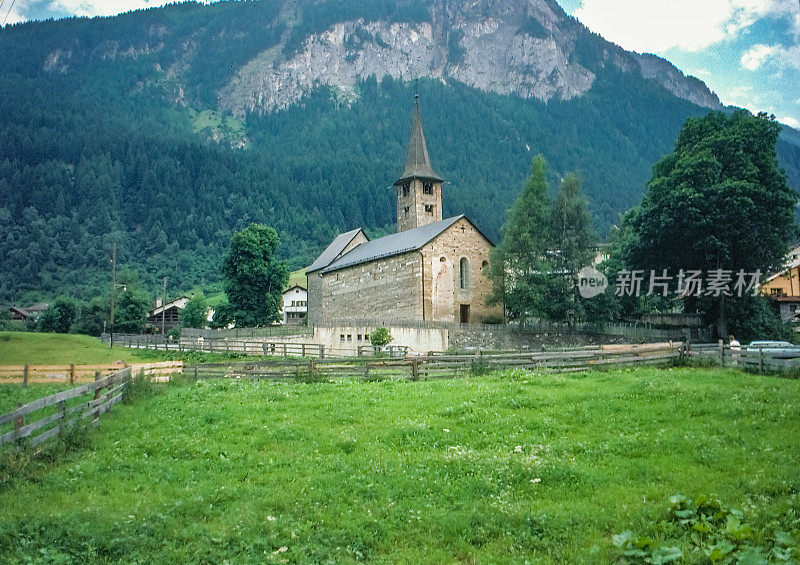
[508,468]
[13,394]
[19,348]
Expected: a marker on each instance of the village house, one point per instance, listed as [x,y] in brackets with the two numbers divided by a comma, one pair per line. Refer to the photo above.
[432,269]
[783,287]
[294,304]
[166,315]
[29,312]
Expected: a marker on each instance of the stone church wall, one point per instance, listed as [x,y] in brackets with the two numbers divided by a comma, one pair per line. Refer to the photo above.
[443,295]
[314,299]
[390,287]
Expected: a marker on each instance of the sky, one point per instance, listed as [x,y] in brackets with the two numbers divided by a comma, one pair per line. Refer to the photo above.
[747,51]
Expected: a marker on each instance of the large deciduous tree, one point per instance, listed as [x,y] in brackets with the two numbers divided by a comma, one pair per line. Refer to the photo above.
[254,279]
[59,316]
[718,202]
[195,313]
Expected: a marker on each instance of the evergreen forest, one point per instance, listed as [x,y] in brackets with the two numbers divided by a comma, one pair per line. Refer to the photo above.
[110,134]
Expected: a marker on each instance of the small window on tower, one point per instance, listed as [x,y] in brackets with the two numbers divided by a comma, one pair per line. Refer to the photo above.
[427,187]
[406,188]
[429,208]
[405,210]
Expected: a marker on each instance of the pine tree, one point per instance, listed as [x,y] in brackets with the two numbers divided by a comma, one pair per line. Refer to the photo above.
[572,247]
[518,266]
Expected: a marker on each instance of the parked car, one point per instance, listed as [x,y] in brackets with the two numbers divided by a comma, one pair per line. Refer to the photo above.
[775,349]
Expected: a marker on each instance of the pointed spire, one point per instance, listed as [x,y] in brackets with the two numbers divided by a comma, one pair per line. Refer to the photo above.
[418,163]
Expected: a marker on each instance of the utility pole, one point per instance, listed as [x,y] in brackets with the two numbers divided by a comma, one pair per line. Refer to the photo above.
[163,305]
[113,287]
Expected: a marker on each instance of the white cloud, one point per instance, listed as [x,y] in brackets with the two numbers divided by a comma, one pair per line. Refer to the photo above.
[11,15]
[690,25]
[757,55]
[704,74]
[771,55]
[745,97]
[104,8]
[789,121]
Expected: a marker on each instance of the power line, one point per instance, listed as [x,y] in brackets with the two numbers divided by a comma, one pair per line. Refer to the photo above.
[9,11]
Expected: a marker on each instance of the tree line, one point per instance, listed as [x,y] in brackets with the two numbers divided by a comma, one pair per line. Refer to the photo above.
[717,218]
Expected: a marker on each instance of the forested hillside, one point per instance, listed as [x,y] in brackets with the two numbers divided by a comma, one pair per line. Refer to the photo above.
[111,131]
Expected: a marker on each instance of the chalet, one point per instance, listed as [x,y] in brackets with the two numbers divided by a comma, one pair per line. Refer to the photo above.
[294,305]
[166,315]
[783,288]
[32,312]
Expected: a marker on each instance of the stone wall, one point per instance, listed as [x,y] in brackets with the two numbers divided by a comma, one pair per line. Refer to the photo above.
[443,295]
[344,340]
[391,288]
[415,202]
[314,283]
[504,340]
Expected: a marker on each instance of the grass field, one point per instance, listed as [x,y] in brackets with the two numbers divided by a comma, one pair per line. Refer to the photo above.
[19,348]
[510,468]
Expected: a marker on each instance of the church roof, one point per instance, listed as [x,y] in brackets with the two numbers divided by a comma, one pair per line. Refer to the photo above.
[418,163]
[395,244]
[333,250]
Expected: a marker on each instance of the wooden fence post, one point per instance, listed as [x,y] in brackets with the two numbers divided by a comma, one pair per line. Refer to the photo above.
[415,369]
[25,375]
[760,360]
[96,418]
[264,348]
[284,349]
[72,374]
[312,366]
[302,350]
[721,353]
[321,351]
[366,370]
[20,421]
[195,372]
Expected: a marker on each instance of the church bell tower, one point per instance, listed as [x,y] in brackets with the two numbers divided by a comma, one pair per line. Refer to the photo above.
[419,189]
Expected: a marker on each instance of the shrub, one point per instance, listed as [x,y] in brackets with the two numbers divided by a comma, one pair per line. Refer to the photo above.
[139,387]
[380,337]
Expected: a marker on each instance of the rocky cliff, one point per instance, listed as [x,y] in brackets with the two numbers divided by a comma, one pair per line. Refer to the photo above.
[528,48]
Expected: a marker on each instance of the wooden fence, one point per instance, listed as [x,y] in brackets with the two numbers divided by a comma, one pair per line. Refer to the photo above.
[73,374]
[220,345]
[752,359]
[443,366]
[89,400]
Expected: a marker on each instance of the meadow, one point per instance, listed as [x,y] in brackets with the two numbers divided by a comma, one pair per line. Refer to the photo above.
[511,467]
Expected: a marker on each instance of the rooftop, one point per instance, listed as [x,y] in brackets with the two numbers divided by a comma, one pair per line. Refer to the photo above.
[395,244]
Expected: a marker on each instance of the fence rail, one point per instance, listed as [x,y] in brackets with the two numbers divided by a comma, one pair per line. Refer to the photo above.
[271,331]
[101,395]
[443,366]
[754,359]
[73,374]
[633,330]
[220,345]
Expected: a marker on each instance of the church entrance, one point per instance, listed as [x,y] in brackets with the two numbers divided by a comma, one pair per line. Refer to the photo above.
[464,318]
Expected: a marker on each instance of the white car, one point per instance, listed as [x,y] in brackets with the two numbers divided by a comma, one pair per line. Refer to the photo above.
[775,349]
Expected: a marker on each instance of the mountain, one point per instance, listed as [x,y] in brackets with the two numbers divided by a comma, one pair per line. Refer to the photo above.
[165,129]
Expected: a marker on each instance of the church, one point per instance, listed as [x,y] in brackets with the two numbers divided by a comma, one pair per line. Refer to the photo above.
[431,270]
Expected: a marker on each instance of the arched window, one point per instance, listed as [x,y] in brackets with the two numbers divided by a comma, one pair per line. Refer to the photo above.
[463,274]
